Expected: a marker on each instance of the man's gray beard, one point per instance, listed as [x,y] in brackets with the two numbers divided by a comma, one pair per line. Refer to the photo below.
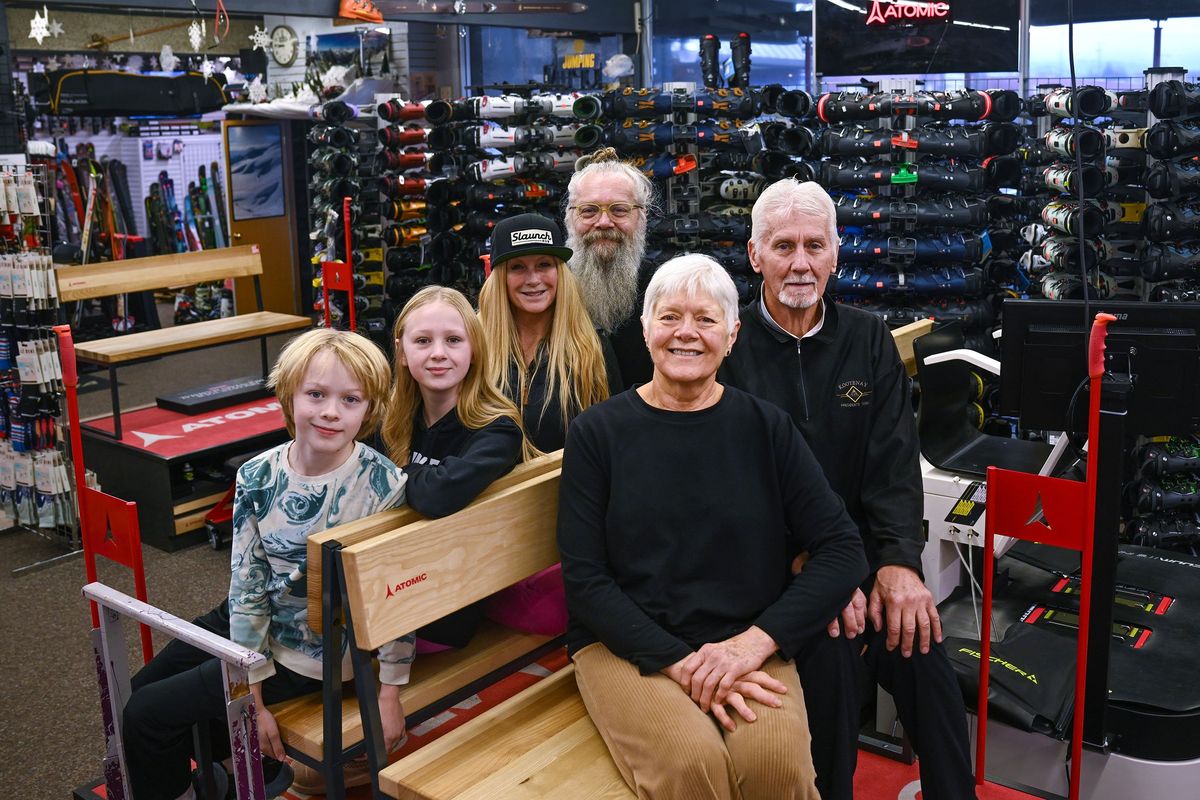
[609,285]
[796,304]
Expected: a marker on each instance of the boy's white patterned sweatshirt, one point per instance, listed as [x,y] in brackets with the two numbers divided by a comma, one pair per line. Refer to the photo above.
[275,511]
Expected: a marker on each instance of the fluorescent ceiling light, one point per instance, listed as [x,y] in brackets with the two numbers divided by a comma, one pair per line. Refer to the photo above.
[848,6]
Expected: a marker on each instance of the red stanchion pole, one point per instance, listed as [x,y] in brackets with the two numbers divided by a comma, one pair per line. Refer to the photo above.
[66,354]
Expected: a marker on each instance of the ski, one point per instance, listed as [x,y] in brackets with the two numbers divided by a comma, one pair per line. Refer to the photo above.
[199,220]
[168,189]
[211,202]
[219,196]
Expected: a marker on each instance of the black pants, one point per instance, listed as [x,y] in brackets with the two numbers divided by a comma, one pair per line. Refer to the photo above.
[181,686]
[928,702]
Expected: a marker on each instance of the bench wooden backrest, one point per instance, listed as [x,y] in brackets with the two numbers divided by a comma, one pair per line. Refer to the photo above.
[393,519]
[904,336]
[402,580]
[157,272]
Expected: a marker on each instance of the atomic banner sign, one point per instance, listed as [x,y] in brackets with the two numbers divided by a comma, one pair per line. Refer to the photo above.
[886,12]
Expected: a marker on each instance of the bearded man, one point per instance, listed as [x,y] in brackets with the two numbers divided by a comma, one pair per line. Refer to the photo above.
[607,205]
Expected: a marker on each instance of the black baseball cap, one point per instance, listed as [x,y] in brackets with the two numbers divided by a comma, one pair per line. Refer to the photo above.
[528,235]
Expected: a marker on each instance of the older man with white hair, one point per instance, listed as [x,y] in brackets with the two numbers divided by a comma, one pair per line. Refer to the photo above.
[836,371]
[608,202]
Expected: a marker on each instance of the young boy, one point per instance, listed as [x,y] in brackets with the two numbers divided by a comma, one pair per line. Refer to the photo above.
[332,386]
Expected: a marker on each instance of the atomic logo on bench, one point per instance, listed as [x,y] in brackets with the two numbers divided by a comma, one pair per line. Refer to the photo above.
[402,585]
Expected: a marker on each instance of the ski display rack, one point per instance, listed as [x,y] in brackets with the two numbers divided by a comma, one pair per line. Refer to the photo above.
[1164,490]
[1140,225]
[36,489]
[402,164]
[345,215]
[710,152]
[488,157]
[1067,153]
[915,171]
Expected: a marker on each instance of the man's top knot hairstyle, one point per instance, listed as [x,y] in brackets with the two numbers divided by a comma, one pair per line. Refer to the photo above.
[599,157]
[606,161]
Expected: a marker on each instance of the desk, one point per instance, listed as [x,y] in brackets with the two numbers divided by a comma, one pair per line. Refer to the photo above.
[147,464]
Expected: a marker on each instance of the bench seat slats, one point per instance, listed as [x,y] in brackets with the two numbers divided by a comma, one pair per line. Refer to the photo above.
[538,744]
[433,677]
[177,339]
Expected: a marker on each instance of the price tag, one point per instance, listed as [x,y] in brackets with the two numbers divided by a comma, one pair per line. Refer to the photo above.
[11,200]
[8,468]
[24,468]
[27,199]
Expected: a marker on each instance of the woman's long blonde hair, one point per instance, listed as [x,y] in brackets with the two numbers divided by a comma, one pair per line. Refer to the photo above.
[575,359]
[479,404]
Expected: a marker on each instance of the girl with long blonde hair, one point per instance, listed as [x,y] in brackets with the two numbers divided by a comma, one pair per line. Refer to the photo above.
[453,431]
[543,352]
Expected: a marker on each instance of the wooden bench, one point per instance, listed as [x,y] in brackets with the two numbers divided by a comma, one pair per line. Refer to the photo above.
[438,680]
[540,743]
[542,737]
[174,270]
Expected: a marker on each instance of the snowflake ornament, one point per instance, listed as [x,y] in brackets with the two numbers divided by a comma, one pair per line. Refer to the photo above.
[52,64]
[260,39]
[167,59]
[257,91]
[39,26]
[56,28]
[196,34]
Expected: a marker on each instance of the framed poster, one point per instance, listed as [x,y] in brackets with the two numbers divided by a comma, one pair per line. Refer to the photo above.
[256,171]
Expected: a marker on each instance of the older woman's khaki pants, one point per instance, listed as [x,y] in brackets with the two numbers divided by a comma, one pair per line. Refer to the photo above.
[668,749]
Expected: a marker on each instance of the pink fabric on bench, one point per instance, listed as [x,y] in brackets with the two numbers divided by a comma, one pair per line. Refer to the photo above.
[537,604]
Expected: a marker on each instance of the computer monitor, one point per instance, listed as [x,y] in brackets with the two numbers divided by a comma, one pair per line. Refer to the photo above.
[1044,360]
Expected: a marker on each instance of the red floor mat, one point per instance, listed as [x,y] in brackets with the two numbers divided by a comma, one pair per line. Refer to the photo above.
[879,778]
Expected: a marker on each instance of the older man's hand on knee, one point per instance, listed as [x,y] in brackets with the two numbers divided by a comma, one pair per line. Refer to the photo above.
[912,615]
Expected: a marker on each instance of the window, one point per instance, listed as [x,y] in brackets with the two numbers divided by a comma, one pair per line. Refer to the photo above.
[518,56]
[678,60]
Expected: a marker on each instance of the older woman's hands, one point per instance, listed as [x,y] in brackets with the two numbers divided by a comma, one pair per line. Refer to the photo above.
[756,685]
[710,673]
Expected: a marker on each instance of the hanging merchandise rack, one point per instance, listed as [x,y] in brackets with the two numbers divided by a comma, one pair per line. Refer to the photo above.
[36,491]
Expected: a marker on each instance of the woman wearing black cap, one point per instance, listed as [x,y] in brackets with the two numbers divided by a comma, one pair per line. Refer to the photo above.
[542,349]
[544,354]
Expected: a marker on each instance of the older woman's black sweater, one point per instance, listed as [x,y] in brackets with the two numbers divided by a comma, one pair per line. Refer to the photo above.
[677,529]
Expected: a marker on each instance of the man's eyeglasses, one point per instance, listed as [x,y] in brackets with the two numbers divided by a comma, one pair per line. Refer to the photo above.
[591,211]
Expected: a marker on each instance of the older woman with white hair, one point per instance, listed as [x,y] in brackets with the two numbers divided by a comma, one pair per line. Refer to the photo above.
[682,505]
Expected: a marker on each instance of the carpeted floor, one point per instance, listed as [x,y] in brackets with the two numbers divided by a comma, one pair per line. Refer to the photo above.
[50,733]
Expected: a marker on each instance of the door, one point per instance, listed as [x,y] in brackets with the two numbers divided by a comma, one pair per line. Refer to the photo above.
[259,195]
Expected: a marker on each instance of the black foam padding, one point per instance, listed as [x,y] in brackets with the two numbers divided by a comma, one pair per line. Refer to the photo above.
[1154,699]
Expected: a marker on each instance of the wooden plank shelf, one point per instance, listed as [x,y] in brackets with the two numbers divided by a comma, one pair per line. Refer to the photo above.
[136,346]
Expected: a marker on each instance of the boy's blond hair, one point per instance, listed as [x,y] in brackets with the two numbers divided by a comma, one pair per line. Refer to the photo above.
[480,403]
[362,357]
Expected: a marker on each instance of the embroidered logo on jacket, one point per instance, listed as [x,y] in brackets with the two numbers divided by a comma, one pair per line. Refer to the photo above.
[854,393]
